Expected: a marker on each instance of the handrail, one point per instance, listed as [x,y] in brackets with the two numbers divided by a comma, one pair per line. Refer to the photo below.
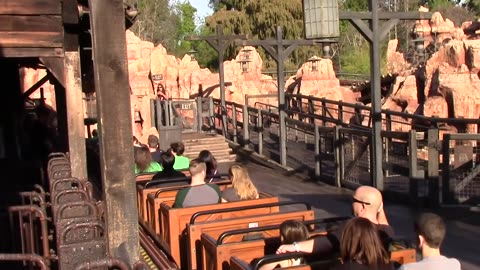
[38,260]
[43,224]
[240,208]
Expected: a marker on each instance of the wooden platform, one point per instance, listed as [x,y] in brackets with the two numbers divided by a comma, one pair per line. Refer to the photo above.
[216,144]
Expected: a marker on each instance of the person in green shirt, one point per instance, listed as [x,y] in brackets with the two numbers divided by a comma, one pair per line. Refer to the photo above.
[144,162]
[181,162]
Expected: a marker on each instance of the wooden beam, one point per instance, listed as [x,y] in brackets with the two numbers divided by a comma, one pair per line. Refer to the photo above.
[56,67]
[383,15]
[31,52]
[20,23]
[31,39]
[34,87]
[75,115]
[107,19]
[30,7]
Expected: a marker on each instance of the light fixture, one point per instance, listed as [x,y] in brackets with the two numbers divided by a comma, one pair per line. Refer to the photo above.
[245,59]
[192,54]
[321,19]
[137,117]
[314,62]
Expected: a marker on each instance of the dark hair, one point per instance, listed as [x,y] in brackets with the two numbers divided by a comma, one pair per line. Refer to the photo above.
[361,243]
[142,157]
[178,148]
[207,157]
[196,167]
[168,159]
[432,228]
[152,141]
[293,231]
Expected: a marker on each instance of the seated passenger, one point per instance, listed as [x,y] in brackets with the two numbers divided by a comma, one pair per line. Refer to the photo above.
[153,146]
[199,192]
[361,247]
[207,157]
[291,231]
[144,162]
[430,229]
[366,203]
[168,159]
[242,187]
[181,162]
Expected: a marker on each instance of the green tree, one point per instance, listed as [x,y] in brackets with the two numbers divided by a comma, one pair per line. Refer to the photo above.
[187,26]
[473,6]
[258,19]
[157,22]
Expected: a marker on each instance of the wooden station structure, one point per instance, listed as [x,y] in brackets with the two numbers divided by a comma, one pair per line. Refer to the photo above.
[81,44]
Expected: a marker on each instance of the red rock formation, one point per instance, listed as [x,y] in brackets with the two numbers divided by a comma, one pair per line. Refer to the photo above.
[449,79]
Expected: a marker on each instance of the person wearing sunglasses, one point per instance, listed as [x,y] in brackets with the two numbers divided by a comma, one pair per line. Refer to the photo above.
[367,202]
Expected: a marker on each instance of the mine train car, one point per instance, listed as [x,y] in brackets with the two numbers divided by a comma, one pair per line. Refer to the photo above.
[61,219]
[233,235]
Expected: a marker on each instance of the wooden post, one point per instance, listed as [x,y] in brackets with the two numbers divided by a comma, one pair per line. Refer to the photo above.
[114,114]
[75,115]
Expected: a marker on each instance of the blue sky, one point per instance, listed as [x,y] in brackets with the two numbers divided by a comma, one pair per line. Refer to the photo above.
[202,8]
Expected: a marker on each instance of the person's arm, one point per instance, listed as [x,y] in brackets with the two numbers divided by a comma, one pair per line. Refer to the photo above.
[303,246]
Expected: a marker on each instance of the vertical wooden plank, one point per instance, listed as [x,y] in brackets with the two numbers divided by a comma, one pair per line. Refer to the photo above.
[433,166]
[61,104]
[76,128]
[113,106]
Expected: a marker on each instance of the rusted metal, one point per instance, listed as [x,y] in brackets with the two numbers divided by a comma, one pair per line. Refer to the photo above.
[60,174]
[77,226]
[81,242]
[65,184]
[43,224]
[107,262]
[72,195]
[71,210]
[38,260]
[140,265]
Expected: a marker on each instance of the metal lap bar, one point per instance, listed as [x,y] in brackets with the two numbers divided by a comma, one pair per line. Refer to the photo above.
[240,208]
[71,195]
[273,227]
[276,258]
[68,184]
[153,183]
[62,210]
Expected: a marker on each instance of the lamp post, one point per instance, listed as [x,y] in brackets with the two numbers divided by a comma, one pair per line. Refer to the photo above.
[219,42]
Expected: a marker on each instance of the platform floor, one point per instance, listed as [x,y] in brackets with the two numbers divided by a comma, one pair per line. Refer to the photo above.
[463,227]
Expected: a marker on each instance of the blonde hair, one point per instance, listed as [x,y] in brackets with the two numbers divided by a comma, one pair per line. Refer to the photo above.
[242,184]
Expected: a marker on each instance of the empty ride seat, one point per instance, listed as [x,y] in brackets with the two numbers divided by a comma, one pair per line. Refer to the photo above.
[81,242]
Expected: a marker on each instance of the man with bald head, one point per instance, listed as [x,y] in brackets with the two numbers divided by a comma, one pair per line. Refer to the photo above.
[367,202]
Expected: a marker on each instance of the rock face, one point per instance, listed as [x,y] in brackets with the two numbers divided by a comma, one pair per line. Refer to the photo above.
[446,85]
